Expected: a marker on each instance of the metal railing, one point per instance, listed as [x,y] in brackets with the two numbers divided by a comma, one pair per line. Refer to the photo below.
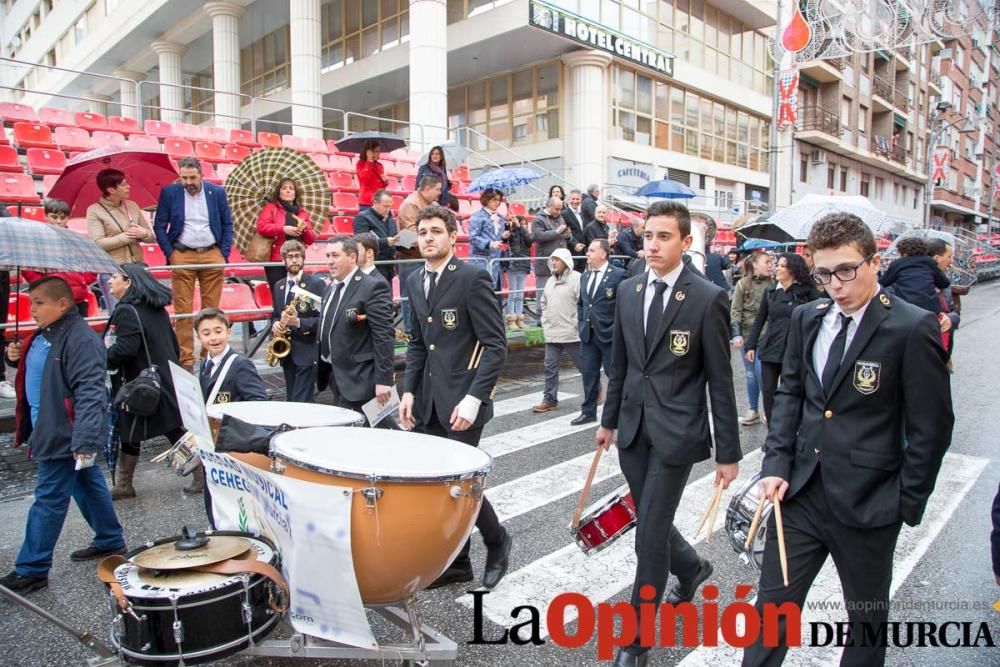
[190,113]
[819,119]
[901,101]
[882,88]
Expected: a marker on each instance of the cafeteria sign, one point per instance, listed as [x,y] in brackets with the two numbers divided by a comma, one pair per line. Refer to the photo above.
[581,30]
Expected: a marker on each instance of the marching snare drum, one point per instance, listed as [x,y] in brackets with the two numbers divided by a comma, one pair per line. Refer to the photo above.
[273,414]
[739,517]
[416,499]
[188,616]
[605,521]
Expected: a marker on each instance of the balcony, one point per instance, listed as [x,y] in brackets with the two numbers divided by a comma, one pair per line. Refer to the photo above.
[903,56]
[934,79]
[882,146]
[902,102]
[881,94]
[820,127]
[824,71]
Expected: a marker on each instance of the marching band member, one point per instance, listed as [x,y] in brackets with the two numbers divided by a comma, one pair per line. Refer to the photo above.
[862,420]
[300,365]
[456,352]
[657,401]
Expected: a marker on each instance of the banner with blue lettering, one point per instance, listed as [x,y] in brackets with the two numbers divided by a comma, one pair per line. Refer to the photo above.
[311,525]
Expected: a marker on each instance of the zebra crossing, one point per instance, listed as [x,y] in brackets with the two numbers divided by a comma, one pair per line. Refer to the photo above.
[608,574]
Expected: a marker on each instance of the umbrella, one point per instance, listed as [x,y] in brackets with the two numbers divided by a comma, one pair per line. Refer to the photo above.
[665,189]
[387,141]
[795,222]
[454,154]
[255,180]
[504,179]
[114,440]
[761,244]
[28,244]
[147,172]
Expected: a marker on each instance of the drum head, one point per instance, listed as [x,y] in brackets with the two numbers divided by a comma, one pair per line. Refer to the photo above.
[167,557]
[276,413]
[362,453]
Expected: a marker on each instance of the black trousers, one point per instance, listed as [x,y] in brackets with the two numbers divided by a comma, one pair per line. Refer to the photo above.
[300,381]
[593,356]
[660,548]
[770,372]
[387,423]
[487,522]
[863,557]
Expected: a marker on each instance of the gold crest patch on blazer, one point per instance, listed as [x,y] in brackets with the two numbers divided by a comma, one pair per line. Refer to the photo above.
[866,376]
[609,293]
[223,397]
[449,318]
[680,341]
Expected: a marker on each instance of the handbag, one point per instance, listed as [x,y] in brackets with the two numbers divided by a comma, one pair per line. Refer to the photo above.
[236,435]
[141,396]
[259,248]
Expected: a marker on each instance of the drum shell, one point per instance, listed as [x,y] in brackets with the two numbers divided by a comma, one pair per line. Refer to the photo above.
[400,546]
[605,522]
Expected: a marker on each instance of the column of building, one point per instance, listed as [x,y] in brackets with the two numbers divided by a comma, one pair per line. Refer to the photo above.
[428,72]
[128,92]
[587,95]
[307,116]
[171,80]
[226,61]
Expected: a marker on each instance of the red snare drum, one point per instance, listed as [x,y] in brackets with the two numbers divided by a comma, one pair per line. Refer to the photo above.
[605,521]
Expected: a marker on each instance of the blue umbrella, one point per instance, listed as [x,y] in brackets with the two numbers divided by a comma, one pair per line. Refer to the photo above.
[761,244]
[665,189]
[504,179]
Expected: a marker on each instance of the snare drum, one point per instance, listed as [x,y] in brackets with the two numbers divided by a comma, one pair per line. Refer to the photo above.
[605,521]
[273,414]
[415,503]
[739,517]
[188,616]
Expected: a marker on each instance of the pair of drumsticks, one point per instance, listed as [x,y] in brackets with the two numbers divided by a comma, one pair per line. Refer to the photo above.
[713,508]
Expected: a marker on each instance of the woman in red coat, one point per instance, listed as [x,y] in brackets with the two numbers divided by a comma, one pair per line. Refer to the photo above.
[371,175]
[281,219]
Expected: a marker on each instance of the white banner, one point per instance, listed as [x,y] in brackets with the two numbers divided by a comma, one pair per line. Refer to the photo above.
[311,526]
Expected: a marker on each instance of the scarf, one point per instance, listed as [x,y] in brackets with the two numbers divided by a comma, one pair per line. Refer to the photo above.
[291,208]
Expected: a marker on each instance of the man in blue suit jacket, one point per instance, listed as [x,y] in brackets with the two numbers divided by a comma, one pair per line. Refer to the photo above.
[596,316]
[193,225]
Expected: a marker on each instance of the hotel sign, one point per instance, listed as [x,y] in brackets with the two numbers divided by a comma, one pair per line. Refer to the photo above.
[590,33]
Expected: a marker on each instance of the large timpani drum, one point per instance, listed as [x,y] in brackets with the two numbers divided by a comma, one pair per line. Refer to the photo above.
[274,414]
[415,503]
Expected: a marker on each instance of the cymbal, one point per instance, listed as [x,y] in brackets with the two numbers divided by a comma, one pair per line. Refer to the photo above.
[166,557]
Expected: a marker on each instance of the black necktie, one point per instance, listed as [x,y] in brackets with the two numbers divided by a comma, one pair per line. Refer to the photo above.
[431,287]
[331,310]
[289,295]
[836,355]
[655,314]
[593,284]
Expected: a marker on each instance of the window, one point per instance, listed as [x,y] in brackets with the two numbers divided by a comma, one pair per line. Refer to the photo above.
[843,179]
[803,170]
[865,184]
[265,65]
[862,119]
[879,188]
[831,176]
[80,29]
[354,29]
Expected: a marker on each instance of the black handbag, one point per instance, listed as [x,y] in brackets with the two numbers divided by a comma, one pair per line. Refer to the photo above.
[141,396]
[236,435]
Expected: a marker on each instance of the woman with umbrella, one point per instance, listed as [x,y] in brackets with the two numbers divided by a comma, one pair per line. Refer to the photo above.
[117,225]
[138,335]
[371,174]
[436,166]
[281,219]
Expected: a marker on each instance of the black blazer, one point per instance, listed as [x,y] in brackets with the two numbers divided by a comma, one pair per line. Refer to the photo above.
[303,337]
[587,208]
[595,230]
[598,315]
[463,320]
[369,221]
[242,383]
[128,357]
[665,386]
[776,312]
[361,351]
[576,236]
[882,429]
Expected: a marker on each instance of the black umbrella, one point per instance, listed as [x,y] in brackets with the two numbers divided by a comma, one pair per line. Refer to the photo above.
[387,141]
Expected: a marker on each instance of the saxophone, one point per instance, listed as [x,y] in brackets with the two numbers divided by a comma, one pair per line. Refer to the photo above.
[280,345]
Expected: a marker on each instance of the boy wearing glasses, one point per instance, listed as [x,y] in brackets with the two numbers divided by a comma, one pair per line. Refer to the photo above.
[862,419]
[300,326]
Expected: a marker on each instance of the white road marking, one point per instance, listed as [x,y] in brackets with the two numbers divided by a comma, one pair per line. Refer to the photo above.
[509,406]
[533,434]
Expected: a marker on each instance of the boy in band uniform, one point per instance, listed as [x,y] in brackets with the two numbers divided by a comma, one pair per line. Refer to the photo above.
[300,365]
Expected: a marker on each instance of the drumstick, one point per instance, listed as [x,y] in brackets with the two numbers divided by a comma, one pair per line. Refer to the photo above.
[715,510]
[472,359]
[782,554]
[160,457]
[586,489]
[755,523]
[708,510]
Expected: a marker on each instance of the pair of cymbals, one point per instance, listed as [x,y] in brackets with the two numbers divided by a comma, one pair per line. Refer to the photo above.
[167,556]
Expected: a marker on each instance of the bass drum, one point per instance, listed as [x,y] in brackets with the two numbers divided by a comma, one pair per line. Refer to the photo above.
[739,518]
[189,617]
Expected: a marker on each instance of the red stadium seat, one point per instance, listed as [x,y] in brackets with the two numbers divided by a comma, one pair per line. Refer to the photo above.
[461,250]
[78,225]
[291,141]
[314,145]
[91,121]
[406,169]
[223,170]
[93,310]
[178,148]
[243,138]
[461,173]
[33,213]
[159,128]
[409,184]
[144,142]
[104,138]
[464,208]
[397,202]
[18,188]
[19,308]
[219,135]
[389,167]
[395,187]
[331,147]
[42,161]
[322,161]
[47,182]
[33,135]
[208,151]
[56,117]
[343,224]
[269,139]
[400,154]
[9,162]
[262,295]
[17,113]
[340,180]
[208,172]
[72,139]
[345,203]
[188,131]
[152,255]
[235,153]
[3,136]
[316,253]
[341,163]
[517,208]
[124,124]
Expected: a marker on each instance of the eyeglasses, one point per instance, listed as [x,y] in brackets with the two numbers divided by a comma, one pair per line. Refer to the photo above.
[845,274]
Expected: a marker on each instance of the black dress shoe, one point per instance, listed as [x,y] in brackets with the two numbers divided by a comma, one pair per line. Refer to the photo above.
[497,560]
[583,419]
[684,592]
[92,552]
[626,659]
[18,584]
[453,575]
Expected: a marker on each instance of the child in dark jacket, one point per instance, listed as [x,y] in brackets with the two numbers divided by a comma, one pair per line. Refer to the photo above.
[915,277]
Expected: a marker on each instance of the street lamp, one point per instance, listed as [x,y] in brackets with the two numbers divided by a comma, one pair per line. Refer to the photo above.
[970,126]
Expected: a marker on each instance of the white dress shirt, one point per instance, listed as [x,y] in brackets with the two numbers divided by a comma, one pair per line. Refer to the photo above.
[670,279]
[196,233]
[828,330]
[596,276]
[440,269]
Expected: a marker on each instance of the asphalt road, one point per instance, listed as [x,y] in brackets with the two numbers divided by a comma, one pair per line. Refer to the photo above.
[942,570]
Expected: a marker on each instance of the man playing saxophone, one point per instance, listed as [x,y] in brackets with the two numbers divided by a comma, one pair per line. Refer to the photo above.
[293,324]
